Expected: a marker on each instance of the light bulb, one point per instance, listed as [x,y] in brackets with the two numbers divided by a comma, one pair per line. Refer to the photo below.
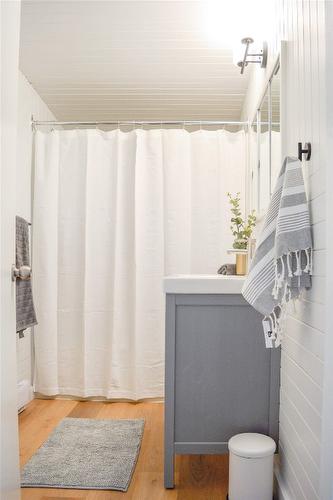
[226,22]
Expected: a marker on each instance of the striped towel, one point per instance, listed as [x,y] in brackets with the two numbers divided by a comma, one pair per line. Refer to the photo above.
[25,311]
[282,264]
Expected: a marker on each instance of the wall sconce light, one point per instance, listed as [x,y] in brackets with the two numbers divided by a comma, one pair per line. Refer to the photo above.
[260,58]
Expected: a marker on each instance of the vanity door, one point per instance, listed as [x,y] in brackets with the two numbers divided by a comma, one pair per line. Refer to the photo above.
[220,378]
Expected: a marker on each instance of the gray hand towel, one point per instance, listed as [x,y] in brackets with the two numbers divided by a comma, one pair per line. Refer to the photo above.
[282,264]
[25,311]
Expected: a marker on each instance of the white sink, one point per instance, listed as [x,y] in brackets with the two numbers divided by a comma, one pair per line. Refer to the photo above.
[203,283]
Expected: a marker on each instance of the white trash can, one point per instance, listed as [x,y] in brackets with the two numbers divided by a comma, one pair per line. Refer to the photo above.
[251,458]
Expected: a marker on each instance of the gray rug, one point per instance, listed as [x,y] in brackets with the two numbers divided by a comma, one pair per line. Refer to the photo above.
[85,453]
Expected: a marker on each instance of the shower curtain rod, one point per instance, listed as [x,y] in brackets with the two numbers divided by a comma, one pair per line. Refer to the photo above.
[38,123]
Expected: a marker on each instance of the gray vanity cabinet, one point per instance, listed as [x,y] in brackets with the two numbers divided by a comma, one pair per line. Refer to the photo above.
[220,379]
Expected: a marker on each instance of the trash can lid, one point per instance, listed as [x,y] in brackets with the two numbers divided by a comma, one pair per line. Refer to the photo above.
[252,445]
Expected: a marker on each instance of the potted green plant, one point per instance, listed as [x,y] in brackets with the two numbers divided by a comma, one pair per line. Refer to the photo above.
[241,229]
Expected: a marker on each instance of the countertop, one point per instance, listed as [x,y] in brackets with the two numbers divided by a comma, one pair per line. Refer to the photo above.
[203,283]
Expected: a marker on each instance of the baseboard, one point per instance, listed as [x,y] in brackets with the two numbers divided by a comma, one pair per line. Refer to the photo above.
[25,394]
[280,488]
[210,448]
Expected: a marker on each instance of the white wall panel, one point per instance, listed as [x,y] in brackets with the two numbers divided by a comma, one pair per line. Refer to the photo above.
[299,421]
[303,349]
[317,207]
[305,471]
[309,362]
[311,313]
[311,390]
[29,103]
[326,482]
[318,291]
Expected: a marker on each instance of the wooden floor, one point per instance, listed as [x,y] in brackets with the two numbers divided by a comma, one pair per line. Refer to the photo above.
[198,477]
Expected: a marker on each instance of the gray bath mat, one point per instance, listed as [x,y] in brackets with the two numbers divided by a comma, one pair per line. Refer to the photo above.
[84,453]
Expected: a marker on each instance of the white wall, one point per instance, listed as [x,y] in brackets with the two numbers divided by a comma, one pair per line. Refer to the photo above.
[327,411]
[29,103]
[302,365]
[303,349]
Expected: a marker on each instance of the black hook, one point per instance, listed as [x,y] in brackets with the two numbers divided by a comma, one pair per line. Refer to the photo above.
[304,151]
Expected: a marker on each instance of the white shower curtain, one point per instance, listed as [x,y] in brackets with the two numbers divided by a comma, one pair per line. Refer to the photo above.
[113,213]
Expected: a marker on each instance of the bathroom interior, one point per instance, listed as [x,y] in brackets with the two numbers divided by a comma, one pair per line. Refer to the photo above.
[165,325]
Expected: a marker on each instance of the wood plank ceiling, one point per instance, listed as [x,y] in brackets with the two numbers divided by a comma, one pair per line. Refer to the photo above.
[128,60]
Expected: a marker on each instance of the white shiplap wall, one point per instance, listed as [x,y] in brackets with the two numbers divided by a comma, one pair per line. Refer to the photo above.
[29,103]
[302,26]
